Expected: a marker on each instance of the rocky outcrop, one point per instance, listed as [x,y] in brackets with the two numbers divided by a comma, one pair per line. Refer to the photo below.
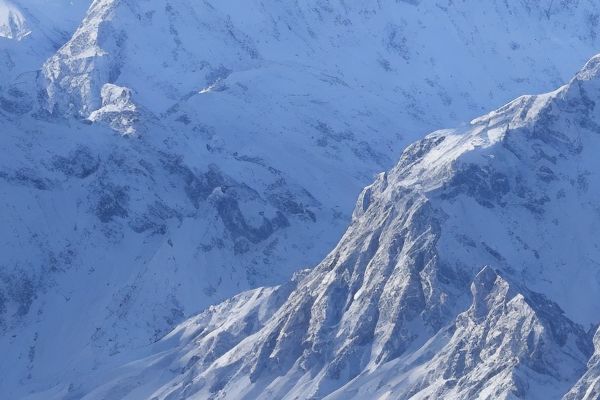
[244,133]
[403,306]
[588,387]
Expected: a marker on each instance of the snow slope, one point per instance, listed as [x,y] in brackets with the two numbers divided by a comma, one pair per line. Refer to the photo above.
[30,32]
[168,155]
[588,387]
[12,22]
[419,58]
[468,272]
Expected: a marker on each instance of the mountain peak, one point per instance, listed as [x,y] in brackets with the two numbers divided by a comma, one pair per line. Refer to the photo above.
[166,155]
[487,288]
[13,24]
[388,304]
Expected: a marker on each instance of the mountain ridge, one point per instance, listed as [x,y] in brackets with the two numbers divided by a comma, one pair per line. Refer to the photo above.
[387,312]
[159,157]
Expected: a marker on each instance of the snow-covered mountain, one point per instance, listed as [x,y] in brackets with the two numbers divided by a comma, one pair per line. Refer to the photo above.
[469,271]
[12,22]
[30,32]
[588,387]
[160,156]
[418,58]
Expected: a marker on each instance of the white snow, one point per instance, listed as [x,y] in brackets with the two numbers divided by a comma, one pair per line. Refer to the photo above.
[388,311]
[130,201]
[13,24]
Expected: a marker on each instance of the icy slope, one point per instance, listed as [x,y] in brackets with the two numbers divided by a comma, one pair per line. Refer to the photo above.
[30,32]
[123,239]
[55,19]
[588,387]
[12,22]
[248,130]
[510,343]
[419,58]
[404,306]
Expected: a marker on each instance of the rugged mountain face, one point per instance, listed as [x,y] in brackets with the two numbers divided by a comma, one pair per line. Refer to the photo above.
[214,53]
[30,32]
[510,343]
[163,156]
[12,22]
[429,292]
[588,386]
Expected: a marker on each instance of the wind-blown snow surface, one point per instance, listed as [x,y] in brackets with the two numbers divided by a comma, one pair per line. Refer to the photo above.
[469,271]
[31,31]
[432,63]
[588,387]
[248,128]
[12,22]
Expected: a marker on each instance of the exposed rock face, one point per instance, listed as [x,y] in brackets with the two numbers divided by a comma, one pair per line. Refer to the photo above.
[118,110]
[428,294]
[13,24]
[159,156]
[250,51]
[30,32]
[508,344]
[588,387]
